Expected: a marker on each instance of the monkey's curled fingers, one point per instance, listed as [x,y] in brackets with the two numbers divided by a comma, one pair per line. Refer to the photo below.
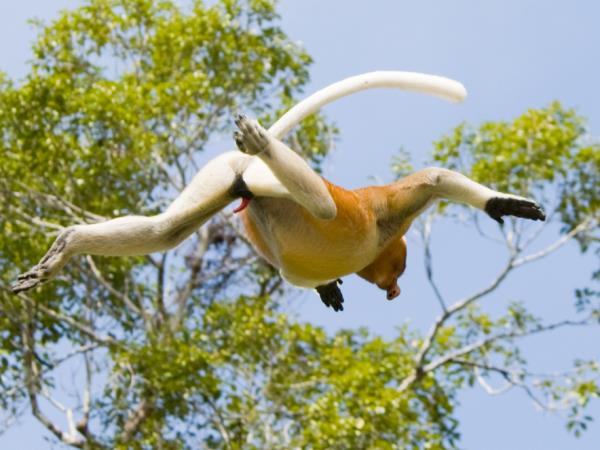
[513,206]
[251,137]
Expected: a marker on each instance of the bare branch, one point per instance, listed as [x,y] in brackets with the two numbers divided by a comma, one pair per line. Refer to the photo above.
[82,425]
[135,420]
[178,186]
[196,266]
[539,229]
[29,219]
[219,422]
[426,236]
[110,288]
[512,263]
[72,210]
[475,218]
[512,379]
[160,283]
[422,369]
[488,388]
[507,335]
[33,382]
[586,224]
[429,339]
[105,340]
[64,409]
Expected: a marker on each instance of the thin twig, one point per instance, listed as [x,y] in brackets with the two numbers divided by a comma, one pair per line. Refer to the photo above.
[82,425]
[196,266]
[507,335]
[556,245]
[58,202]
[135,420]
[105,340]
[110,288]
[511,379]
[160,298]
[426,236]
[33,382]
[420,359]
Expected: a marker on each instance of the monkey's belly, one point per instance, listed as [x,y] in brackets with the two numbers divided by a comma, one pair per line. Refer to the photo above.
[306,248]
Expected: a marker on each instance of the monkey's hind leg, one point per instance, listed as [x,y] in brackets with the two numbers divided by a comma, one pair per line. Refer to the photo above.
[305,186]
[49,265]
[210,190]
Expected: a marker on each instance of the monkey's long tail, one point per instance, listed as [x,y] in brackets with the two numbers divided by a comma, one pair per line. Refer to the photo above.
[409,81]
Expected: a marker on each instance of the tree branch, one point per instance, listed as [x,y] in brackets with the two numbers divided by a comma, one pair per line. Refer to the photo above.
[33,382]
[196,267]
[104,340]
[83,425]
[72,210]
[219,422]
[512,263]
[110,288]
[429,339]
[586,224]
[508,335]
[36,220]
[135,420]
[160,291]
[426,236]
[421,369]
[511,378]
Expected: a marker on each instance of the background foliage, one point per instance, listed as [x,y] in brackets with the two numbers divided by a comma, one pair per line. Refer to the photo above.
[193,348]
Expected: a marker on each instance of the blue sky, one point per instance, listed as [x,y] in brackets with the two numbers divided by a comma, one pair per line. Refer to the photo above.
[511,55]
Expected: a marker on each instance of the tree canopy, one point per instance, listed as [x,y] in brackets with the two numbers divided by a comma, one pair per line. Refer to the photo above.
[194,348]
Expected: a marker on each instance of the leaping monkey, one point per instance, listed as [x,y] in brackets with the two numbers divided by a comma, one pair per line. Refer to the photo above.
[313,231]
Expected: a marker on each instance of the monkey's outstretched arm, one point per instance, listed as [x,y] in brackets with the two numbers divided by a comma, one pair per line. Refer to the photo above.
[411,195]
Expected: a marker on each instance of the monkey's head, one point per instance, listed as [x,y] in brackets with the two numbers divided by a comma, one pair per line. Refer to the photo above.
[387,276]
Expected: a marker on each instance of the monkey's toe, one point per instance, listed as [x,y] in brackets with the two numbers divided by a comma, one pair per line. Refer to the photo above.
[251,137]
[28,280]
[239,141]
[26,284]
[512,206]
[331,295]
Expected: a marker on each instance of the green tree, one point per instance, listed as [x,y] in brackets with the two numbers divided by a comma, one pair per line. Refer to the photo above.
[193,348]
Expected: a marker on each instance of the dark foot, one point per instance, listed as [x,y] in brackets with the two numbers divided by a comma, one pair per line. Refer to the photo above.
[331,295]
[512,206]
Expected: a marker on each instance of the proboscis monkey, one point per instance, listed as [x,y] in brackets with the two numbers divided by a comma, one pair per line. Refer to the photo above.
[313,231]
